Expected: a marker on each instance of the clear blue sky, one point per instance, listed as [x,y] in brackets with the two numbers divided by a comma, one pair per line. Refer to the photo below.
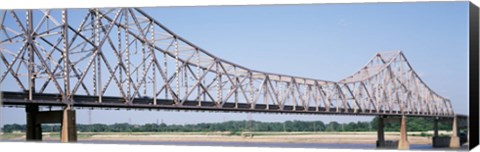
[327,41]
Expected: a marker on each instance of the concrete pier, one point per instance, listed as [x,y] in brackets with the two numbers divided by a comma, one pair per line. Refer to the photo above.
[436,140]
[435,127]
[391,144]
[454,140]
[380,132]
[403,143]
[34,128]
[69,129]
[65,117]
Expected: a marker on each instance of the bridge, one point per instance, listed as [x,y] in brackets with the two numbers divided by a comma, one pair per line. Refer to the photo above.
[125,58]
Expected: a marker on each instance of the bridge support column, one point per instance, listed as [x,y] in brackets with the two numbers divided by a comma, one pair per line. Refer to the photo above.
[435,127]
[438,141]
[454,140]
[34,128]
[69,128]
[380,132]
[66,117]
[403,143]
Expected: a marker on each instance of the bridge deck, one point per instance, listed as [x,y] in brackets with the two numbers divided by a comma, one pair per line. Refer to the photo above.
[18,98]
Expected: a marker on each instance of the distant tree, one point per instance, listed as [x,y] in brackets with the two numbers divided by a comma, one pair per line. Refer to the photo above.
[333,126]
[413,124]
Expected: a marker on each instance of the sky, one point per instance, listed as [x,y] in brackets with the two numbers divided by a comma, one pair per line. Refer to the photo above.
[324,41]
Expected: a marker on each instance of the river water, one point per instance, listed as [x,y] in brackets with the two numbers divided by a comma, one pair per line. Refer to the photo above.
[426,147]
[266,144]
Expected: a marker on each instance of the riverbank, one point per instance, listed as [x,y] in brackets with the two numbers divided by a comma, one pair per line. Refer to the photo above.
[257,137]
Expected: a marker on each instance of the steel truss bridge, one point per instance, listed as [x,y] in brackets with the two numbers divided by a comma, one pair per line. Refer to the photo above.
[124,58]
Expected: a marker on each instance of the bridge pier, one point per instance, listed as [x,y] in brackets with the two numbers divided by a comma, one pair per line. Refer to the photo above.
[65,117]
[436,140]
[435,127]
[34,128]
[403,143]
[382,143]
[380,132]
[69,128]
[454,139]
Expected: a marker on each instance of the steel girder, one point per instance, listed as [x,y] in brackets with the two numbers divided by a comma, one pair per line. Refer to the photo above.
[124,52]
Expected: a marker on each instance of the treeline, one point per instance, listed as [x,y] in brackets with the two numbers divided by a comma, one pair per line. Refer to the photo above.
[413,124]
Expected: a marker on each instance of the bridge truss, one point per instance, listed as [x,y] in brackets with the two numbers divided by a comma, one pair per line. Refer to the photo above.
[123,57]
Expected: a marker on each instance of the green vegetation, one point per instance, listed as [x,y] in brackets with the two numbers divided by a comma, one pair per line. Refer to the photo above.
[414,124]
[237,127]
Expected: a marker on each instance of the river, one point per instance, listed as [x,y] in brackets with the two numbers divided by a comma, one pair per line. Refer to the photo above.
[266,144]
[426,147]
